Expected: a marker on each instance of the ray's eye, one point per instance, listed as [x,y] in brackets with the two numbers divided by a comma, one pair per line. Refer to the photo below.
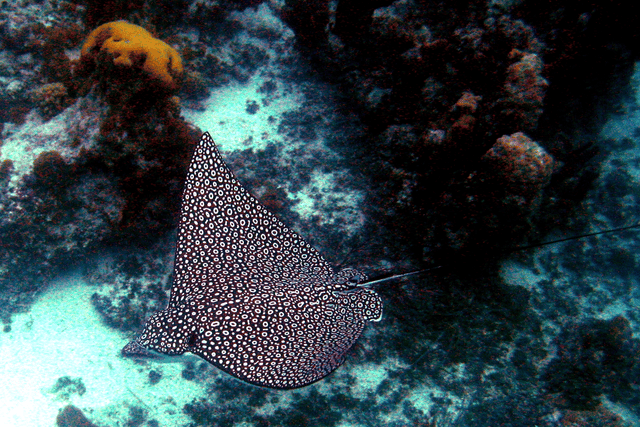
[355,280]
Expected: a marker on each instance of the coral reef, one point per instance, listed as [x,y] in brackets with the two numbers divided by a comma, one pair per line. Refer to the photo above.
[478,127]
[524,91]
[520,164]
[455,79]
[35,55]
[51,172]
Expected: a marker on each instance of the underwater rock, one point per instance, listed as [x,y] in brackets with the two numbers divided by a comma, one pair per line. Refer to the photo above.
[505,190]
[519,163]
[51,99]
[155,376]
[71,416]
[51,171]
[66,386]
[468,103]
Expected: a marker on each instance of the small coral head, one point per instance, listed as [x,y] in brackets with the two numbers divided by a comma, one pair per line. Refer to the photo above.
[132,46]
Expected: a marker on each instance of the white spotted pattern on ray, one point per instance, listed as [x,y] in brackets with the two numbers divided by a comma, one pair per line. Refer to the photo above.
[249,295]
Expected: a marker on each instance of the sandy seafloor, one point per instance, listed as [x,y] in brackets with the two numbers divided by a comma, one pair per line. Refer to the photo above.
[62,335]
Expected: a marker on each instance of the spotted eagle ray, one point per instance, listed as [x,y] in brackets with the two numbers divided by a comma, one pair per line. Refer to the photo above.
[249,295]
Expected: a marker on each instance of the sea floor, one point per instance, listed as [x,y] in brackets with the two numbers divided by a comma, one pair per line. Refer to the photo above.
[61,352]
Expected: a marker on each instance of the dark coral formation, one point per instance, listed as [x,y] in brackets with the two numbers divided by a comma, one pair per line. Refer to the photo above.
[51,99]
[594,358]
[504,192]
[65,387]
[454,80]
[51,172]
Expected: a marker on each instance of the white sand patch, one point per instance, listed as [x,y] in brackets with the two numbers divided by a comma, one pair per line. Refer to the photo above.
[516,274]
[323,191]
[226,118]
[62,335]
[368,376]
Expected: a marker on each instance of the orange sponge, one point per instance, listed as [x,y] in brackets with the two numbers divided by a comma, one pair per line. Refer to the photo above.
[133,46]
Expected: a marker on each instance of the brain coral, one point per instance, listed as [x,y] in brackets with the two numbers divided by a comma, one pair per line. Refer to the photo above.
[132,46]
